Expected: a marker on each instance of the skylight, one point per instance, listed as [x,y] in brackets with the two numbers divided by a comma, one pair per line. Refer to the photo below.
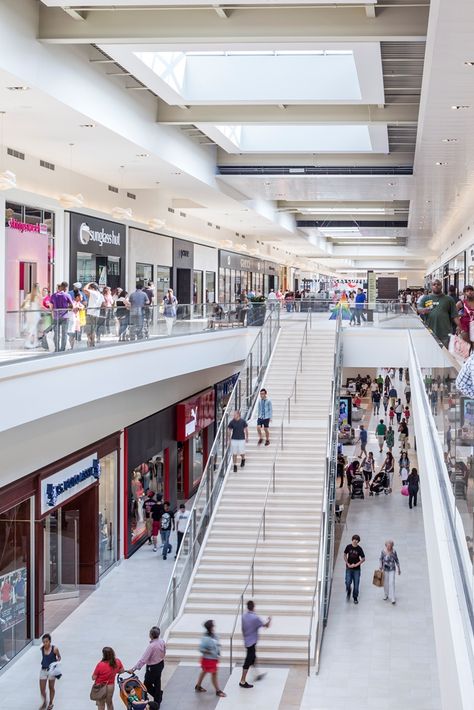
[316,138]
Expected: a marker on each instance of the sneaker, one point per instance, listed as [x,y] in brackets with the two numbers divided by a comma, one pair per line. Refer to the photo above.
[356,601]
[260,441]
[242,463]
[164,557]
[154,549]
[394,602]
[267,443]
[149,542]
[235,468]
[385,599]
[245,685]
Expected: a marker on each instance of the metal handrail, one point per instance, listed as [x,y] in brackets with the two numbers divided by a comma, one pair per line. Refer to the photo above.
[209,482]
[271,483]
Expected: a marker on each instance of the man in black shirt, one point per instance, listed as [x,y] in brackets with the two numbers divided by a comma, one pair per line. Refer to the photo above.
[354,558]
[148,504]
[166,525]
[157,511]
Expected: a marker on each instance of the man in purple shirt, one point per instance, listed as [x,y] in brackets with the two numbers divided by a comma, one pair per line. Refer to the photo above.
[153,658]
[251,623]
[60,303]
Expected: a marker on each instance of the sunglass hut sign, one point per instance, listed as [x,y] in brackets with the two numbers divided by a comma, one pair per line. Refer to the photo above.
[103,236]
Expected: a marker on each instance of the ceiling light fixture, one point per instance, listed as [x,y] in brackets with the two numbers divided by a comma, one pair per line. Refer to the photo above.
[460,107]
[18,88]
[7,177]
[122,212]
[440,162]
[469,64]
[87,125]
[67,200]
[449,140]
[156,223]
[143,155]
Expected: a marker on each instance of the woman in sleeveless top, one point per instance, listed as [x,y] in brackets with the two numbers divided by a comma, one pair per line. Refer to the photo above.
[465,308]
[49,654]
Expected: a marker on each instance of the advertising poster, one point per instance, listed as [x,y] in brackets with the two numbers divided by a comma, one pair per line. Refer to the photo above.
[13,598]
[345,411]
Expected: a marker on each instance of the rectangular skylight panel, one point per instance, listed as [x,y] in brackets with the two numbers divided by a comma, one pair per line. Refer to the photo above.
[305,139]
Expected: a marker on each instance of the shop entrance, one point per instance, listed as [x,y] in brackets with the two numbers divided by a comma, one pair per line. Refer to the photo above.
[183,285]
[61,555]
[27,278]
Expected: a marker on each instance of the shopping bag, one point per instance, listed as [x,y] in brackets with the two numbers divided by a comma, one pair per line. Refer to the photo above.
[98,692]
[404,490]
[378,578]
[459,347]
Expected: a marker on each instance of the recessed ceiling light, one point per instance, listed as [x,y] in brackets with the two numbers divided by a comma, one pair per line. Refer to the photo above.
[469,64]
[18,88]
[391,184]
[440,162]
[87,125]
[449,140]
[143,155]
[460,107]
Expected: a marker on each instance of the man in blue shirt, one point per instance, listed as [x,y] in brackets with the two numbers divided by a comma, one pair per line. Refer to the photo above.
[362,440]
[264,416]
[360,305]
[251,623]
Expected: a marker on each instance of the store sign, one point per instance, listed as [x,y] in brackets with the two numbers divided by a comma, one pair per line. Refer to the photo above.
[230,260]
[96,236]
[371,287]
[87,234]
[39,228]
[58,488]
[194,414]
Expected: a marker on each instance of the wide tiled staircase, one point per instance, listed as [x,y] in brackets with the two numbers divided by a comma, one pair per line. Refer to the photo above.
[287,560]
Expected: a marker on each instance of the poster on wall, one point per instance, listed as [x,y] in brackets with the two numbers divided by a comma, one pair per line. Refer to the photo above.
[13,598]
[345,411]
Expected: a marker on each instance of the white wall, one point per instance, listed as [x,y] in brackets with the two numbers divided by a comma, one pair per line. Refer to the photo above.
[381,347]
[205,258]
[148,248]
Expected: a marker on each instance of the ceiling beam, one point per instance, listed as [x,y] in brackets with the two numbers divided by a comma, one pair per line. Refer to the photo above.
[400,115]
[267,25]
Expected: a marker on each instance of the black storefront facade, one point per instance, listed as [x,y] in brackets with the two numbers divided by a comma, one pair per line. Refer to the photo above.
[183,262]
[239,273]
[97,250]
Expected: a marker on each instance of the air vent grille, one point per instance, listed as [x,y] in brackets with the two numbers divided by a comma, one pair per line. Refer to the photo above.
[170,209]
[15,154]
[48,166]
[111,188]
[131,196]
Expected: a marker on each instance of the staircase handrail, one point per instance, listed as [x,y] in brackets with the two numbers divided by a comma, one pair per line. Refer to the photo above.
[215,470]
[271,484]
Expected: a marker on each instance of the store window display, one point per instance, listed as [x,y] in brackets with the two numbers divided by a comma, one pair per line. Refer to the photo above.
[147,476]
[15,532]
[108,512]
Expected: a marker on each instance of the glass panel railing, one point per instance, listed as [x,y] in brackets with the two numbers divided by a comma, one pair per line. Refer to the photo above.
[36,333]
[449,415]
[243,397]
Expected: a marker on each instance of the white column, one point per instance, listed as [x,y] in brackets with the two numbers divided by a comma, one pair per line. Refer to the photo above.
[3,247]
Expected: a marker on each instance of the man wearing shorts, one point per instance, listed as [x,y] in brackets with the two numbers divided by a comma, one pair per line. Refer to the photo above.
[239,437]
[156,513]
[148,504]
[265,413]
[251,623]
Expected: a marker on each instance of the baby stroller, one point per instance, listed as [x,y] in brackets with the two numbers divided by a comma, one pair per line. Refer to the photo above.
[380,483]
[132,684]
[357,487]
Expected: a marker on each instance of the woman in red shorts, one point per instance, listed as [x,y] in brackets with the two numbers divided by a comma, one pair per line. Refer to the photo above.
[210,651]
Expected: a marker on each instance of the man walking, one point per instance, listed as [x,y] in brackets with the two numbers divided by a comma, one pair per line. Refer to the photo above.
[251,623]
[138,300]
[354,558]
[359,305]
[393,394]
[380,433]
[166,525]
[182,521]
[239,437]
[154,659]
[157,511]
[264,414]
[439,312]
[362,440]
[147,506]
[60,303]
[376,401]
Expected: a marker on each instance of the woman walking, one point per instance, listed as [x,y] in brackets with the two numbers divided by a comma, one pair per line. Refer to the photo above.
[170,304]
[49,654]
[413,486]
[389,563]
[368,468]
[210,651]
[105,673]
[31,307]
[403,434]
[390,438]
[388,467]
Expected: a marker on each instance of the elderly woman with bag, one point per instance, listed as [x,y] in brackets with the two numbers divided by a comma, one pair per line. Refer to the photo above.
[389,564]
[104,676]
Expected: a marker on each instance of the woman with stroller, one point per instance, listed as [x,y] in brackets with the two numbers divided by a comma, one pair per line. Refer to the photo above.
[368,468]
[389,563]
[210,650]
[105,673]
[388,467]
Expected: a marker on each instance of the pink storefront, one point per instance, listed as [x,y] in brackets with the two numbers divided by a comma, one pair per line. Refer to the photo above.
[29,257]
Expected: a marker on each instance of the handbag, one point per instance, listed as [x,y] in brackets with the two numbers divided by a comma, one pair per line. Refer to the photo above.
[459,347]
[98,692]
[404,490]
[378,578]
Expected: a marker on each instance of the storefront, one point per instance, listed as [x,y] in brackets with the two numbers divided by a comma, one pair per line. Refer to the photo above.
[151,461]
[239,273]
[454,274]
[194,433]
[150,258]
[97,250]
[29,257]
[271,278]
[59,532]
[204,274]
[183,263]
